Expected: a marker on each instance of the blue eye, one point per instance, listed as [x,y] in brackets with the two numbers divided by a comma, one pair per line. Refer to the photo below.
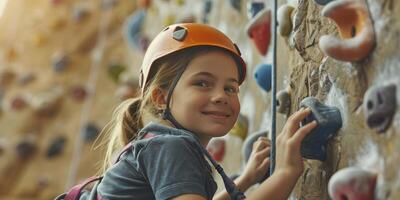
[231,90]
[202,84]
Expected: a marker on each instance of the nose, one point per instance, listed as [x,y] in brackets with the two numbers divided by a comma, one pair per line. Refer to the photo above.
[219,96]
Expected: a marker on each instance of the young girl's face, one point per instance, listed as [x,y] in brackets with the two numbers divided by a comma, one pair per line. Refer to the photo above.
[205,99]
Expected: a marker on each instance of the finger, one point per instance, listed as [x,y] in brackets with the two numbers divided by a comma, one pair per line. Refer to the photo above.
[263,153]
[294,121]
[304,131]
[265,163]
[260,144]
[265,139]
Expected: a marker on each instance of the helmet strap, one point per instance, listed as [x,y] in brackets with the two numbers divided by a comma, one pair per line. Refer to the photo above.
[166,114]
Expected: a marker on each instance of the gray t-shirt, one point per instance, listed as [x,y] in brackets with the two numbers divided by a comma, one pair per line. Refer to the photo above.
[165,166]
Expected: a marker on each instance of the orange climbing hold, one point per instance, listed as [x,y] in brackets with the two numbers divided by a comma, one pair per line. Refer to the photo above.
[355,28]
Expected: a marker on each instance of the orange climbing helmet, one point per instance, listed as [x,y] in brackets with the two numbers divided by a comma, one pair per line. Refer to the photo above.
[181,36]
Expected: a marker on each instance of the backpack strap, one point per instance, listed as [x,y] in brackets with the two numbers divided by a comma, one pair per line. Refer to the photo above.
[75,191]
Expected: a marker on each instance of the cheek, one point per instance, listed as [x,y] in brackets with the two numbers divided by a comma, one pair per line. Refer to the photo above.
[236,107]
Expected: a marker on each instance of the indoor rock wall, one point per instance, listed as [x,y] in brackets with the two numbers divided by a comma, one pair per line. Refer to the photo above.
[343,84]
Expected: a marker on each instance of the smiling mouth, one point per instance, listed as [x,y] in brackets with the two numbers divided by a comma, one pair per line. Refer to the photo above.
[220,115]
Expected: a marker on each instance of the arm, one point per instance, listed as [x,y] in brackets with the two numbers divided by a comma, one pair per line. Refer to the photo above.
[256,167]
[289,163]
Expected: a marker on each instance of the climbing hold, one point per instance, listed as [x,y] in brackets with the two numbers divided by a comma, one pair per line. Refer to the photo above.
[284,20]
[263,75]
[55,2]
[59,61]
[180,2]
[380,106]
[283,102]
[56,23]
[132,28]
[18,103]
[3,145]
[11,54]
[46,103]
[254,7]
[322,2]
[79,93]
[26,147]
[169,19]
[79,13]
[26,78]
[240,128]
[42,181]
[144,3]
[38,39]
[329,122]
[6,78]
[248,147]
[115,70]
[126,78]
[355,28]
[91,132]
[124,92]
[216,148]
[56,146]
[187,19]
[259,30]
[108,4]
[207,5]
[236,4]
[352,183]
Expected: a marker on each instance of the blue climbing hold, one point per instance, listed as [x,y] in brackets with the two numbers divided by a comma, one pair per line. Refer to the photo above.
[253,8]
[207,5]
[56,147]
[263,75]
[132,29]
[91,132]
[322,2]
[236,4]
[329,122]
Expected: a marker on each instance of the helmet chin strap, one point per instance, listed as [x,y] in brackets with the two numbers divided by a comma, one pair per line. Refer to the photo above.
[166,114]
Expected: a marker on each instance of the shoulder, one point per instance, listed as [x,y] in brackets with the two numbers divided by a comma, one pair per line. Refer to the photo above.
[168,142]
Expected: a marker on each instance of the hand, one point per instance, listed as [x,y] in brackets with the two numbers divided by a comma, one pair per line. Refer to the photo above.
[288,156]
[258,163]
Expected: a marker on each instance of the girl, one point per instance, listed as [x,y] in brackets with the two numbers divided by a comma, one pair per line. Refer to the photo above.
[190,80]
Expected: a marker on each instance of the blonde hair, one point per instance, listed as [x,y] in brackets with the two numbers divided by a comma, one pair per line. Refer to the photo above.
[126,120]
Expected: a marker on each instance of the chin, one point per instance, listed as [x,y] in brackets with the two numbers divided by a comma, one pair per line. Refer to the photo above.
[217,131]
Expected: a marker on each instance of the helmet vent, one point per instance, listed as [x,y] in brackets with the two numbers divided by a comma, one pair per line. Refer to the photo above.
[179,33]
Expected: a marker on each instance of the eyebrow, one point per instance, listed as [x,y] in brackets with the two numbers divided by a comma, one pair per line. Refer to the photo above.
[212,76]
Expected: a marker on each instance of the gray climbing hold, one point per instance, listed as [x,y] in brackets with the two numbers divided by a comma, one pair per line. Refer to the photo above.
[56,147]
[380,106]
[329,122]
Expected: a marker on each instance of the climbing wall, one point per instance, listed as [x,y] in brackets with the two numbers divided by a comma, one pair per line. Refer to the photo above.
[358,74]
[59,67]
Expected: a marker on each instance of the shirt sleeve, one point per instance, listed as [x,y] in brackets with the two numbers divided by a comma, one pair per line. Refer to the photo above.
[173,167]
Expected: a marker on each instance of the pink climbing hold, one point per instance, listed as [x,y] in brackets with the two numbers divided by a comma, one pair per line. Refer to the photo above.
[216,148]
[352,183]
